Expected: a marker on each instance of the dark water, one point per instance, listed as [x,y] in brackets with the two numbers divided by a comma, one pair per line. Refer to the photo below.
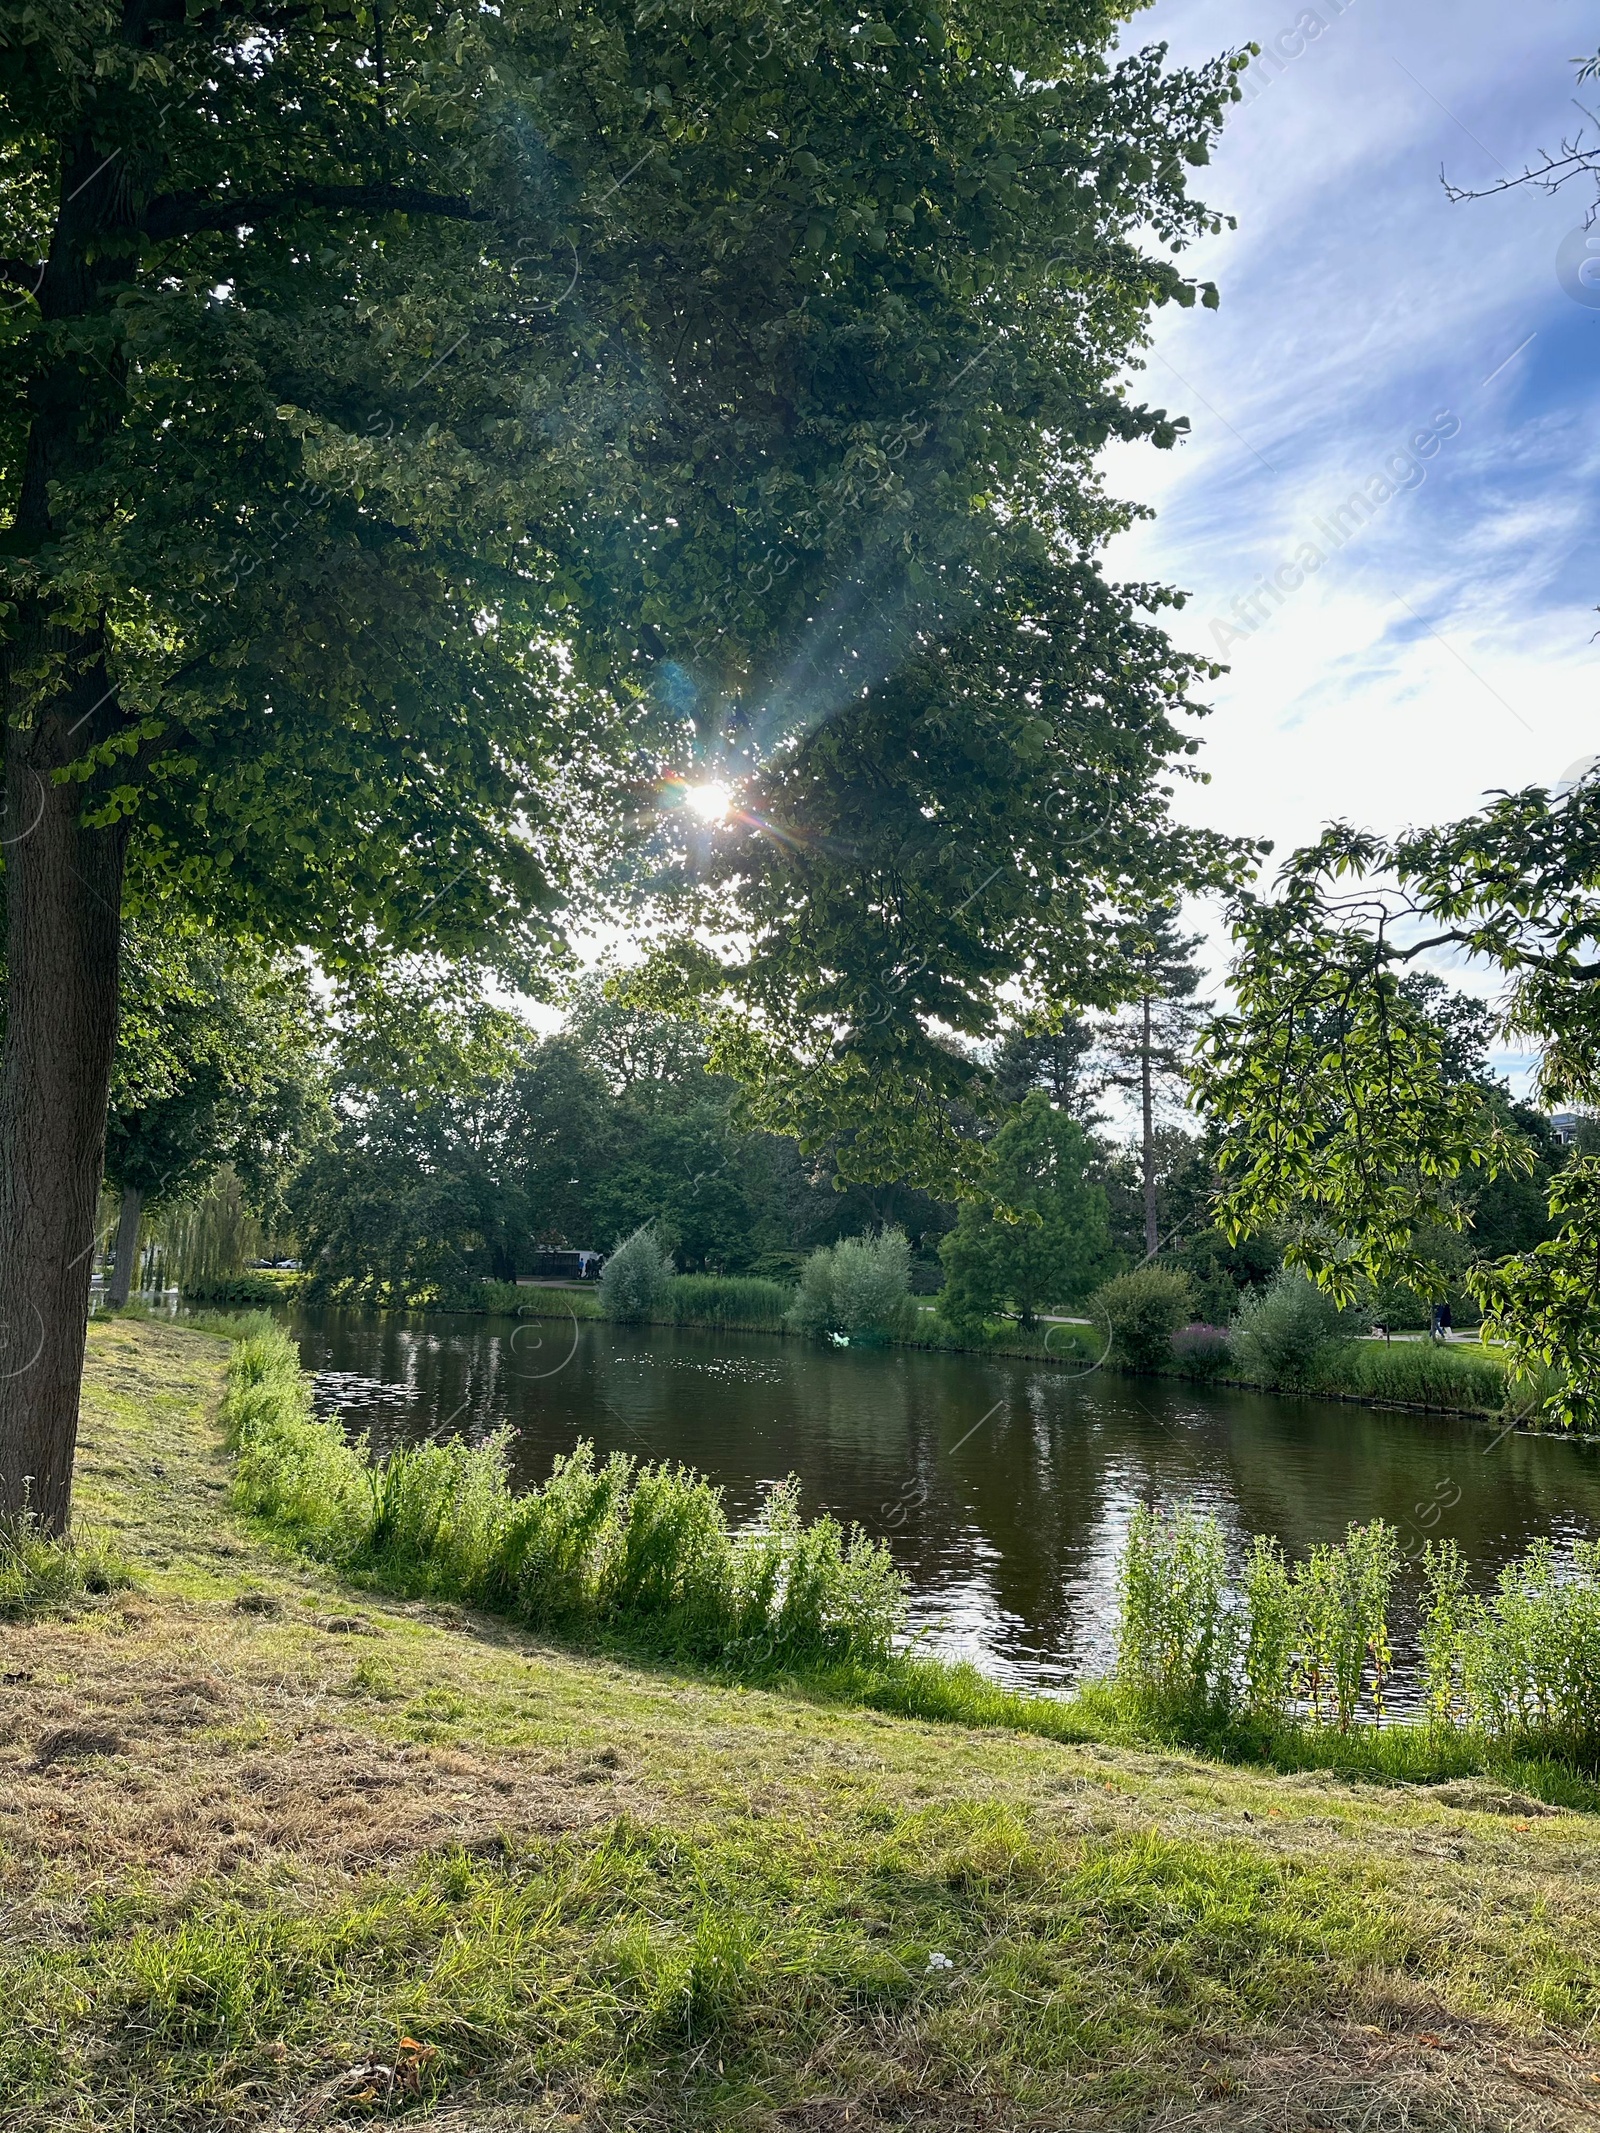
[1003,1487]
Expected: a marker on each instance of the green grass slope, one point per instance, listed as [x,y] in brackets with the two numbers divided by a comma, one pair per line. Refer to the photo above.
[277,1853]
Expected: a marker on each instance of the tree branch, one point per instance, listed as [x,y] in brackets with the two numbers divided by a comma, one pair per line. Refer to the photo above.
[23,274]
[1549,174]
[183,214]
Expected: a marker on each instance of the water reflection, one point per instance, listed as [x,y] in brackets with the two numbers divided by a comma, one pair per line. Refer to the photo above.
[1003,1487]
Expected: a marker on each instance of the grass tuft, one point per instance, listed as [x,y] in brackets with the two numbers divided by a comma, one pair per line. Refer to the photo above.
[40,1575]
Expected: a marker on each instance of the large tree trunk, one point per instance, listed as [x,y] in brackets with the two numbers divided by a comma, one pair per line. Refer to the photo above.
[63,879]
[63,883]
[126,1247]
[1152,1232]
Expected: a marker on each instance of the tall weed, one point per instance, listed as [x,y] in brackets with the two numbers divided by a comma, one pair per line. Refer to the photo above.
[641,1552]
[1528,1656]
[1341,1595]
[1448,1610]
[1273,1636]
[729,1300]
[1174,1635]
[1424,1374]
[1317,1633]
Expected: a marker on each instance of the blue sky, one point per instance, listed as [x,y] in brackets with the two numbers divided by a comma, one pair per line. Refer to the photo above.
[1444,648]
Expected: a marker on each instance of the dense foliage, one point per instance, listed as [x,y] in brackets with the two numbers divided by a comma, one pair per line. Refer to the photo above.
[1041,1237]
[1346,1120]
[424,436]
[464,1145]
[857,1290]
[218,1063]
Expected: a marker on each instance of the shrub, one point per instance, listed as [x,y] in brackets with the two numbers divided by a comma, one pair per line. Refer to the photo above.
[636,1280]
[1202,1352]
[1289,1335]
[1174,1632]
[858,1290]
[729,1300]
[1142,1311]
[644,1552]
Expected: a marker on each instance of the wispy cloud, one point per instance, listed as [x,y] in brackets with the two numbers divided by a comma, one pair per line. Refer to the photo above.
[1445,649]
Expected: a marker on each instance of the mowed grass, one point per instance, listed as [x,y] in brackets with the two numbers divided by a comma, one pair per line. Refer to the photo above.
[277,1853]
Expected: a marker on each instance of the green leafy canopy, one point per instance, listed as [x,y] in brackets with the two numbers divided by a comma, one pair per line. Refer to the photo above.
[1330,1082]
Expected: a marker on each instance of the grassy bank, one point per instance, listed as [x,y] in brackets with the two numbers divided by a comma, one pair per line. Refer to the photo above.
[273,1852]
[1461,1377]
[619,1552]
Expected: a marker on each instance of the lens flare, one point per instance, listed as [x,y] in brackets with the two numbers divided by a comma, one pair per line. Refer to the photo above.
[710,802]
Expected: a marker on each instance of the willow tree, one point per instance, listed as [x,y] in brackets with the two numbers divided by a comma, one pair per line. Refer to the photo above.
[421,429]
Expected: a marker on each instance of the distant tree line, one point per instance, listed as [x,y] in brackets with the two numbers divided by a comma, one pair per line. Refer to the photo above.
[406,1139]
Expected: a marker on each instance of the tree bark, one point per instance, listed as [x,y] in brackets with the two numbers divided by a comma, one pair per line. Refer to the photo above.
[63,884]
[127,1246]
[62,875]
[1152,1233]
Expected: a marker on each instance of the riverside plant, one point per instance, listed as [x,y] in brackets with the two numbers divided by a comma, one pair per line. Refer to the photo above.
[639,1553]
[1305,1647]
[858,1290]
[1341,1597]
[636,1280]
[1175,1635]
[1314,1635]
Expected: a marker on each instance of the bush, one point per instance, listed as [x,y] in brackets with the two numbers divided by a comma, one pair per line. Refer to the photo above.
[1290,1335]
[1202,1352]
[859,1290]
[729,1300]
[641,1552]
[1174,1633]
[636,1280]
[1142,1311]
